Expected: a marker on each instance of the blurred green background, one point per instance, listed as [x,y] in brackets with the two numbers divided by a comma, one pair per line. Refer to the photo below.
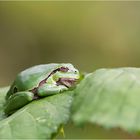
[90,35]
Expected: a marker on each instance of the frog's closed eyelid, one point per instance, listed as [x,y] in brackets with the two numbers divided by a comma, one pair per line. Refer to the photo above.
[64,69]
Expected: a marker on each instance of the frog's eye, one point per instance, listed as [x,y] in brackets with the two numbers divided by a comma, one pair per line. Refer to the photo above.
[15,90]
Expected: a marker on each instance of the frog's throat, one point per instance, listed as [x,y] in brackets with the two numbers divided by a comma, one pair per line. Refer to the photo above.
[67,82]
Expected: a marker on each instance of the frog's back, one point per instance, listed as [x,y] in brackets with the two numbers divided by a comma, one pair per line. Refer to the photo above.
[31,77]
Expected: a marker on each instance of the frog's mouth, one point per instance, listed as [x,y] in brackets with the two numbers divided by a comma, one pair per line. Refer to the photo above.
[67,82]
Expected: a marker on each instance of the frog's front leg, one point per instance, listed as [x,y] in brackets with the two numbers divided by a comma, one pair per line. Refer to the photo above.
[46,90]
[17,101]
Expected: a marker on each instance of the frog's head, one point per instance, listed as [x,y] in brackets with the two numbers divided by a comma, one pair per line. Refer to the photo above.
[65,75]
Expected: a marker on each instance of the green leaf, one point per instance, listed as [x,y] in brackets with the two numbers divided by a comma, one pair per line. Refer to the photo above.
[110,98]
[38,120]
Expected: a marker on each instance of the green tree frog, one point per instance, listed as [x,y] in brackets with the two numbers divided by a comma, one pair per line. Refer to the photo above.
[40,81]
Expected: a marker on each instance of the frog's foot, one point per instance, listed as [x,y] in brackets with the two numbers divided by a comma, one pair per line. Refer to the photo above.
[17,101]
